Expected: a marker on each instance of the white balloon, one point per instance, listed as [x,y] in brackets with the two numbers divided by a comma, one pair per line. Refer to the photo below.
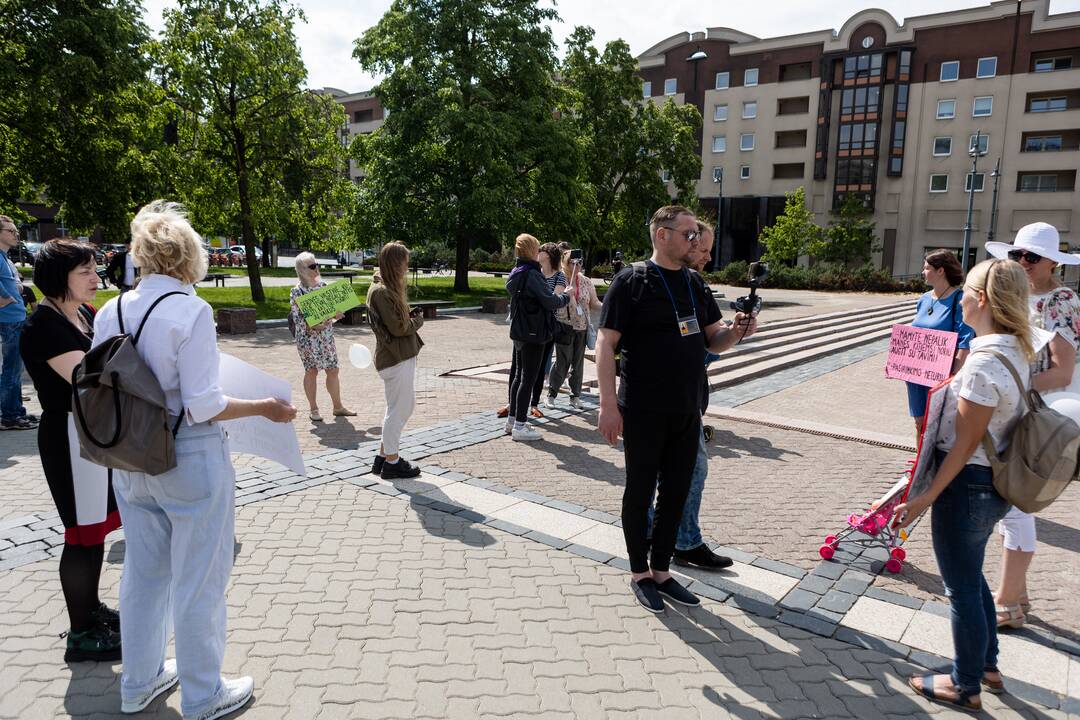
[359,356]
[1068,404]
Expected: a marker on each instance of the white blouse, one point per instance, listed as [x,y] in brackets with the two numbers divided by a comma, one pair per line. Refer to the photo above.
[984,380]
[178,344]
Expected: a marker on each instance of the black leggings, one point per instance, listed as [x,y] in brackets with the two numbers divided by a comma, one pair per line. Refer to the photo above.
[538,384]
[529,363]
[80,574]
[657,448]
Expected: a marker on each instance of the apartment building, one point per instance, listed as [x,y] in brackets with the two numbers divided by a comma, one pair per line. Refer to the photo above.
[364,114]
[889,113]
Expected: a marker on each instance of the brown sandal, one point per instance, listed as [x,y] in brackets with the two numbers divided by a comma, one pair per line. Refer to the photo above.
[960,702]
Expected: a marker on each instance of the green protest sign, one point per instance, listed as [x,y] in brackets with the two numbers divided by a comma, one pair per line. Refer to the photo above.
[326,302]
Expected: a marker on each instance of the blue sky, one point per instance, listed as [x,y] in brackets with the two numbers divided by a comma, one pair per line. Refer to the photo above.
[327,39]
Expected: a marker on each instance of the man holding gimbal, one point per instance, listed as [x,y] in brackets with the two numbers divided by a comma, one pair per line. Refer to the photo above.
[662,318]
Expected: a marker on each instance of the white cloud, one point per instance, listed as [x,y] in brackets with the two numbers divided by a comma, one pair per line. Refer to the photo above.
[326,41]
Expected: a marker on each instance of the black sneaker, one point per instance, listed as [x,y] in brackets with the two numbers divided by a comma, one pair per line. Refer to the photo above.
[99,643]
[108,617]
[376,466]
[18,424]
[672,590]
[400,469]
[645,590]
[703,557]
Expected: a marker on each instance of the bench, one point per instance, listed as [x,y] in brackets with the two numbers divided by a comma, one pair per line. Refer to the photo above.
[430,307]
[218,278]
[340,273]
[354,316]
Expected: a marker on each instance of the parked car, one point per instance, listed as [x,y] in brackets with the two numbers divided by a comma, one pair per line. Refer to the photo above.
[243,253]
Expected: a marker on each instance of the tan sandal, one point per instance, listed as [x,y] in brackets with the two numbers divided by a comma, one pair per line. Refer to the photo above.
[1013,616]
[315,416]
[1025,604]
[343,412]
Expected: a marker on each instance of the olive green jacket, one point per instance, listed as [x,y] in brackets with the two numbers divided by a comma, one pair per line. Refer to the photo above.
[396,339]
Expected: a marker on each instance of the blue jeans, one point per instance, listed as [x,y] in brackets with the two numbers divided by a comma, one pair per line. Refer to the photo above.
[689,535]
[962,519]
[11,407]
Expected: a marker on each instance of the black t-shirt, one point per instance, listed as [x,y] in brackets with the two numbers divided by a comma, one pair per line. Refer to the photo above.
[46,335]
[660,369]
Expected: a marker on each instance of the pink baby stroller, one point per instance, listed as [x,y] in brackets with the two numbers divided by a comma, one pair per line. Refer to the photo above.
[874,527]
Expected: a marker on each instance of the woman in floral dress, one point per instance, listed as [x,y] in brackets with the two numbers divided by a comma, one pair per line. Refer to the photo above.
[315,344]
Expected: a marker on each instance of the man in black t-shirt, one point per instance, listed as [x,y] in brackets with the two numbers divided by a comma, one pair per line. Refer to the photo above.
[661,318]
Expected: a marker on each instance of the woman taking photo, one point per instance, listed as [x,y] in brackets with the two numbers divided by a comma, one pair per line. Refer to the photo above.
[532,325]
[570,358]
[315,344]
[1055,309]
[983,397]
[396,346]
[179,525]
[939,309]
[53,342]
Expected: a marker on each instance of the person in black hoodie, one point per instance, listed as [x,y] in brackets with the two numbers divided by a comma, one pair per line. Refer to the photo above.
[532,326]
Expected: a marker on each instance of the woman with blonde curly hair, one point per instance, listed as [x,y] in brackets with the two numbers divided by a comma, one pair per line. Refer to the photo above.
[982,398]
[178,525]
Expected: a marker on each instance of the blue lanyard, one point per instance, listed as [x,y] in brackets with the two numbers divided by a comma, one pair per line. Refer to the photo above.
[689,290]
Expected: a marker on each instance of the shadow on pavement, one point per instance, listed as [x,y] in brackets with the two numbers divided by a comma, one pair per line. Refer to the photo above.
[435,520]
[337,433]
[94,690]
[726,444]
[1056,534]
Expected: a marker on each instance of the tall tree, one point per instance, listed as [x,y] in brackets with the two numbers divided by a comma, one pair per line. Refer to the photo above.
[251,140]
[849,236]
[625,144]
[471,148]
[794,232]
[80,119]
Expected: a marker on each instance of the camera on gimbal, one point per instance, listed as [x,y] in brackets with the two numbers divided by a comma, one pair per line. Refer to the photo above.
[751,304]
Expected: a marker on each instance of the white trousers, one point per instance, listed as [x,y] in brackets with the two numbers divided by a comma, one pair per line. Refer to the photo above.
[399,383]
[178,529]
[1018,530]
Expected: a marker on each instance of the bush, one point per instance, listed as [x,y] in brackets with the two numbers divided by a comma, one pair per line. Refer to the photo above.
[823,276]
[601,271]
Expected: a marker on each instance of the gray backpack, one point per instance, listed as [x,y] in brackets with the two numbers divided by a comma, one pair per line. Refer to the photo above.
[1043,456]
[121,417]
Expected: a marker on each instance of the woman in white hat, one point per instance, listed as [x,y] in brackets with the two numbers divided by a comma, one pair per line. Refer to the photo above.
[1056,310]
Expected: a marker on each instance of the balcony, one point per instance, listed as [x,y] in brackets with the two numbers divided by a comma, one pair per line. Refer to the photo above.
[1047,141]
[789,171]
[793,105]
[790,139]
[1046,181]
[1052,101]
[796,71]
[1052,61]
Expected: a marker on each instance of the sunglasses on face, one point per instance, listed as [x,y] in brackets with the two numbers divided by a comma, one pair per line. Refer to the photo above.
[690,235]
[313,266]
[1031,257]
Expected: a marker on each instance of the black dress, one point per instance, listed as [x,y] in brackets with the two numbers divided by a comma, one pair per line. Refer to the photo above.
[82,491]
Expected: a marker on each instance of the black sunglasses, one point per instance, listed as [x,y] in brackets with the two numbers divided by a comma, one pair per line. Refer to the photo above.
[313,266]
[1026,255]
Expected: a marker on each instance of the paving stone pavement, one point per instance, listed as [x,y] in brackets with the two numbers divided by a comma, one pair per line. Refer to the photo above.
[347,603]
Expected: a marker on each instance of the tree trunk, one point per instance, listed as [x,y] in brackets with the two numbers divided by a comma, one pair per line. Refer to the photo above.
[461,264]
[247,226]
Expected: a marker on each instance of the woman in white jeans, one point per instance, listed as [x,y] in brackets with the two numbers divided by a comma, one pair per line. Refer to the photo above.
[178,526]
[396,346]
[1056,310]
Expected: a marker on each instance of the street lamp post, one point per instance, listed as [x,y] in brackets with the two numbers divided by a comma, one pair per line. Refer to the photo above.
[718,178]
[996,174]
[974,152]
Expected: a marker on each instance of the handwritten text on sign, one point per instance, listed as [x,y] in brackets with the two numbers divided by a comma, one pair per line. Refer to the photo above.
[920,356]
[326,302]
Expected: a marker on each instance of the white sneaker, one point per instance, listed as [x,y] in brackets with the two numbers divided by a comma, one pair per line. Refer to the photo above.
[575,402]
[234,696]
[509,427]
[549,402]
[164,681]
[526,434]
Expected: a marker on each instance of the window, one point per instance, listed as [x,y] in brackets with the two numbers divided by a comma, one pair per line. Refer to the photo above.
[717,174]
[1050,104]
[939,183]
[854,172]
[942,146]
[1038,183]
[750,77]
[746,141]
[980,182]
[982,107]
[719,113]
[744,172]
[363,116]
[723,80]
[862,66]
[749,109]
[1051,64]
[858,136]
[671,86]
[984,143]
[946,109]
[860,100]
[950,71]
[719,144]
[1043,143]
[987,67]
[902,98]
[646,89]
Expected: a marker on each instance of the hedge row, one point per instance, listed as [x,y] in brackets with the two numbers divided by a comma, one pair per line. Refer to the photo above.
[866,278]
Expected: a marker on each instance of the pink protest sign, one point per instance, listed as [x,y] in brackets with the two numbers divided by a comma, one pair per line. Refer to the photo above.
[920,356]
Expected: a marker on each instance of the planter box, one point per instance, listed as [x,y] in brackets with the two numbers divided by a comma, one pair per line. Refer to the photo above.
[495,305]
[235,321]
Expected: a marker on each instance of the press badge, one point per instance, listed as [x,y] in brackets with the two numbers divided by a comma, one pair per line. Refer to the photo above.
[688,325]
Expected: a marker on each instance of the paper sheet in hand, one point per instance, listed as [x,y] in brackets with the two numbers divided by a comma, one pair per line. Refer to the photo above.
[326,302]
[257,435]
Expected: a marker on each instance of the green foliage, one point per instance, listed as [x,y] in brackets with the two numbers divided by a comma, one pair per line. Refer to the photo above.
[794,233]
[821,276]
[471,152]
[849,238]
[624,145]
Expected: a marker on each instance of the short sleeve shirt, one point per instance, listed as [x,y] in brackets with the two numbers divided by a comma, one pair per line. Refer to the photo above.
[661,370]
[984,380]
[48,334]
[10,284]
[1058,312]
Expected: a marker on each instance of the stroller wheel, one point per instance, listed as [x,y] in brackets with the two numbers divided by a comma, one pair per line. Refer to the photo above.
[826,552]
[893,565]
[899,554]
[709,432]
[830,540]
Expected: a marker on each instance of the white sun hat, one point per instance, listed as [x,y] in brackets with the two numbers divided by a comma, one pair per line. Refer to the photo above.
[1040,238]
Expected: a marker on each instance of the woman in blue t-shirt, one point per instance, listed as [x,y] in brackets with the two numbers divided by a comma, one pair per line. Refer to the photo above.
[939,309]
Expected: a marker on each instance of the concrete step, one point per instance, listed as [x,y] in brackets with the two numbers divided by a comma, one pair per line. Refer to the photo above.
[763,341]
